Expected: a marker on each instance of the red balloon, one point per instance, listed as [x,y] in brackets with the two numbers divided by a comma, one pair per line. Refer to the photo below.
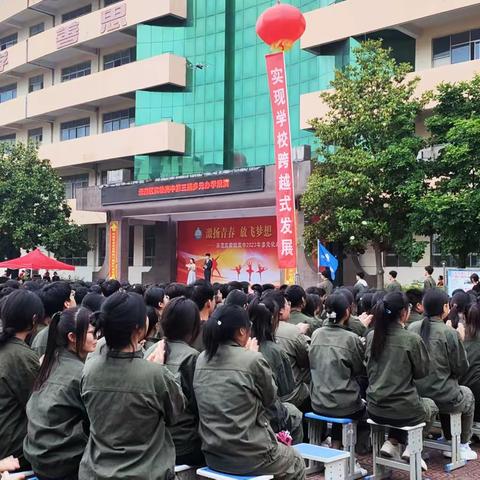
[281,26]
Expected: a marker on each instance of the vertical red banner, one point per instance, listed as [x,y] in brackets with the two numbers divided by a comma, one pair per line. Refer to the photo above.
[113,250]
[285,206]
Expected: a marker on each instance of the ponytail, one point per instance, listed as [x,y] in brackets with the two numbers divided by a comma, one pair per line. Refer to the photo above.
[73,320]
[434,302]
[20,310]
[222,326]
[336,307]
[385,313]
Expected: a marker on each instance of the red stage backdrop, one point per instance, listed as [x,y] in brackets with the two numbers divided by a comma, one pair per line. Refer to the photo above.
[242,249]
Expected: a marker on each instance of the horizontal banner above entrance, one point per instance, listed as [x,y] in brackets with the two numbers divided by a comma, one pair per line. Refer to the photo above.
[223,183]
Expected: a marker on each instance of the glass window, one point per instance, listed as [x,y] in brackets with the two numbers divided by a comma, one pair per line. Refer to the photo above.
[461,53]
[456,48]
[35,83]
[106,3]
[121,57]
[79,258]
[8,41]
[74,182]
[8,92]
[8,138]
[36,29]
[35,135]
[118,120]
[131,244]
[76,13]
[441,51]
[75,129]
[76,71]
[391,259]
[148,245]
[438,257]
[102,245]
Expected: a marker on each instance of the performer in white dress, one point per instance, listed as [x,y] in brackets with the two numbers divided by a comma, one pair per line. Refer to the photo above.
[191,267]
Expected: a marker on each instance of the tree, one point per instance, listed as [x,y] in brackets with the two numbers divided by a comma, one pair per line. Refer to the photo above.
[451,204]
[33,210]
[361,192]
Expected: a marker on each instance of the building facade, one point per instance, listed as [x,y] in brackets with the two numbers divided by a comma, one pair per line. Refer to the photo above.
[138,104]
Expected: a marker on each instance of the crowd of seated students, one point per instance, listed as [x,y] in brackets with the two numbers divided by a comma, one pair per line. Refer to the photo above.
[108,380]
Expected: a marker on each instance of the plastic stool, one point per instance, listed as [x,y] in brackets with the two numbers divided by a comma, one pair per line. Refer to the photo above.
[415,444]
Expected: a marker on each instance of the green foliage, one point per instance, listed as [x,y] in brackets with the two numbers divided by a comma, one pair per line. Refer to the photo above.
[33,210]
[451,205]
[363,190]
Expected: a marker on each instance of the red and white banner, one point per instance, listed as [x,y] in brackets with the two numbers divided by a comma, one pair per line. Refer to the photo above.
[285,207]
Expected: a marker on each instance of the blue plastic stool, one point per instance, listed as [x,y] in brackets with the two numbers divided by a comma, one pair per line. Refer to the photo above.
[209,473]
[335,461]
[349,437]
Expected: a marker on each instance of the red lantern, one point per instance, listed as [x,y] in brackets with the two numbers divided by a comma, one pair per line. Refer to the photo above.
[281,26]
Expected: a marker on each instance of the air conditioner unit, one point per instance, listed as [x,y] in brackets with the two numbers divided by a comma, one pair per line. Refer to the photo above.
[118,176]
[301,153]
[430,154]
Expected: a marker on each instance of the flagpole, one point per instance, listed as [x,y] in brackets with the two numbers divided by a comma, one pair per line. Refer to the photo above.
[318,263]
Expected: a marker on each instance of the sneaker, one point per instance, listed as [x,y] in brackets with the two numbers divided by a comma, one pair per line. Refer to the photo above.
[466,453]
[406,457]
[327,443]
[359,470]
[390,450]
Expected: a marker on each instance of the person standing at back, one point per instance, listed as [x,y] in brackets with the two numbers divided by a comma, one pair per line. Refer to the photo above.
[326,281]
[475,283]
[393,283]
[361,285]
[207,268]
[429,282]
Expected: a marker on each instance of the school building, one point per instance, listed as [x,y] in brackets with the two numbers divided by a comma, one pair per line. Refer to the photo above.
[156,115]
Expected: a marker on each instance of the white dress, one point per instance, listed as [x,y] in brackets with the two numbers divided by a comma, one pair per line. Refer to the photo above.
[192,276]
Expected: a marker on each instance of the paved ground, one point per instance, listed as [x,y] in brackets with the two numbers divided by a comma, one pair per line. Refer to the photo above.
[435,464]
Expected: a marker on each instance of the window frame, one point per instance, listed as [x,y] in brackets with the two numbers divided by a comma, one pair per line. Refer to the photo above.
[8,41]
[129,115]
[11,87]
[118,61]
[35,132]
[75,125]
[31,84]
[32,33]
[149,235]
[78,12]
[77,70]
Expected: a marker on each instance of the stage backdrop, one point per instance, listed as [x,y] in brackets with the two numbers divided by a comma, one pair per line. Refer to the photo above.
[242,249]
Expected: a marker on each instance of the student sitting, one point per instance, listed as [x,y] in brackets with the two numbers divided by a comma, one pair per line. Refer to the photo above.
[234,388]
[19,366]
[448,363]
[264,318]
[181,324]
[295,345]
[336,360]
[415,297]
[56,437]
[130,401]
[472,346]
[395,358]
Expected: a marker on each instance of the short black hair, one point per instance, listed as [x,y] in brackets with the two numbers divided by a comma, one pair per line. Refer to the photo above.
[296,295]
[415,295]
[361,275]
[174,290]
[474,277]
[393,273]
[53,296]
[153,296]
[80,293]
[181,320]
[109,287]
[429,269]
[202,292]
